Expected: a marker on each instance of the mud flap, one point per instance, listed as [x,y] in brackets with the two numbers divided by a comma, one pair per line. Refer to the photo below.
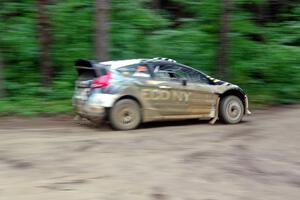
[213,120]
[77,118]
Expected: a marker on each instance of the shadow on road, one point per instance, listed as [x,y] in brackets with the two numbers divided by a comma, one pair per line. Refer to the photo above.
[161,124]
[105,126]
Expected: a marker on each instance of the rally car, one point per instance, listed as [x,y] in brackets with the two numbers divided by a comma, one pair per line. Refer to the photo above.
[127,93]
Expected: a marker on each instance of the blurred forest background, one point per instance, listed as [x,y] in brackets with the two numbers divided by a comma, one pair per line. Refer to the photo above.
[253,43]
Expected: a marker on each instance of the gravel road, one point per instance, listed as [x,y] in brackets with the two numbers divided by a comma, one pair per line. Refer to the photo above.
[57,158]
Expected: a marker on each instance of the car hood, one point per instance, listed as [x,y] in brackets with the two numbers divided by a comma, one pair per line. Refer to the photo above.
[223,86]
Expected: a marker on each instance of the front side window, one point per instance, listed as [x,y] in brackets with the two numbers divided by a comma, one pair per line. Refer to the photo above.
[174,72]
[167,72]
[196,76]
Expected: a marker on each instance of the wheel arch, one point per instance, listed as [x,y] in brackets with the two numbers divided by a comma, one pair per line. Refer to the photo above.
[107,109]
[235,92]
[129,97]
[110,111]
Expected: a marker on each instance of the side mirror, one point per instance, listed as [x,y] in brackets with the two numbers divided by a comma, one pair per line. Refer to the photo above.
[184,82]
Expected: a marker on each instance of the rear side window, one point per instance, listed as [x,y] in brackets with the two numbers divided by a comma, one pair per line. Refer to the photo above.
[141,71]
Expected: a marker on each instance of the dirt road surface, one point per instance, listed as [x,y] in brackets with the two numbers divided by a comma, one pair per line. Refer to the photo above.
[56,158]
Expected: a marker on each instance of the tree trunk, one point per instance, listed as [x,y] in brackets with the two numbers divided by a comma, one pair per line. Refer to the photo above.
[2,90]
[45,62]
[155,4]
[223,48]
[102,7]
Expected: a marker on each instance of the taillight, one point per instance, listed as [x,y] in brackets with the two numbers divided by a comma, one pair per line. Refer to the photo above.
[102,81]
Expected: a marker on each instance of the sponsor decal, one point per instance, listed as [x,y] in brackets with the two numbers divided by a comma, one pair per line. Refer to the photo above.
[166,95]
[154,82]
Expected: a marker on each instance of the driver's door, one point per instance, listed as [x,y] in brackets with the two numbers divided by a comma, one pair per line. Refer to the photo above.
[202,99]
[192,93]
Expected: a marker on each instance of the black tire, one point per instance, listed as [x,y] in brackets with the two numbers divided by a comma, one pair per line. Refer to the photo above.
[231,110]
[125,115]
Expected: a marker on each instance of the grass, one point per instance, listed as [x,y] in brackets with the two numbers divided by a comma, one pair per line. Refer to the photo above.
[34,106]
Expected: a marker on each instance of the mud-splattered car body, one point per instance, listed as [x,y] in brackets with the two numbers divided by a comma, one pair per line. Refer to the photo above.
[164,90]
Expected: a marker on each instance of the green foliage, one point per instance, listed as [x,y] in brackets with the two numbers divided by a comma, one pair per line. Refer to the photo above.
[34,106]
[264,52]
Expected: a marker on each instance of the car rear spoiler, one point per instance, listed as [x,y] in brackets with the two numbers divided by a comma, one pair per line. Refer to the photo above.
[83,66]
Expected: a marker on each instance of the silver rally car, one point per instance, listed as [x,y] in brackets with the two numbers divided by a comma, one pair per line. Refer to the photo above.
[129,92]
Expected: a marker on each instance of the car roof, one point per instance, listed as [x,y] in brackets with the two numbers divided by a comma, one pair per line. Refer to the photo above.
[121,63]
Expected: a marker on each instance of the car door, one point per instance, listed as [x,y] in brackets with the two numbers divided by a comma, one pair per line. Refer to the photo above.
[170,98]
[191,93]
[155,94]
[163,97]
[202,99]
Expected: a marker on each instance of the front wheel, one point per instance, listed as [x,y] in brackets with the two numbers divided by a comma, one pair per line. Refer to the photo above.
[231,110]
[125,115]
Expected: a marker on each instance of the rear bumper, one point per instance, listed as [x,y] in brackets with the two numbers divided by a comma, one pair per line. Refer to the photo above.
[90,111]
[94,106]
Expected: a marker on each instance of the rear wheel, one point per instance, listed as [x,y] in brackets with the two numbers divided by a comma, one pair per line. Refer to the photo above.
[125,115]
[231,110]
